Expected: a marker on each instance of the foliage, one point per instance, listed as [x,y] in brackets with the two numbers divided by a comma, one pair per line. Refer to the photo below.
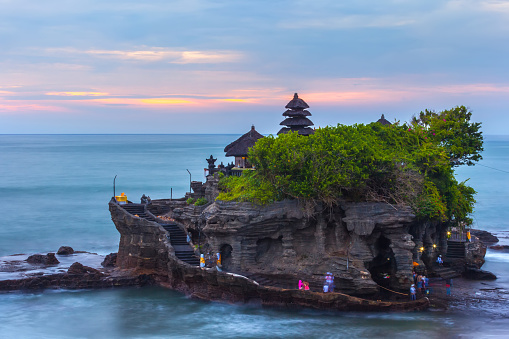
[190,201]
[461,139]
[200,202]
[247,188]
[398,164]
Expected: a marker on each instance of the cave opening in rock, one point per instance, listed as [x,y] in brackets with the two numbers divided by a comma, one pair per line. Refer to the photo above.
[383,266]
[226,255]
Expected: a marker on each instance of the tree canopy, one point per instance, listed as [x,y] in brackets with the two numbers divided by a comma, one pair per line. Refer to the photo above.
[411,163]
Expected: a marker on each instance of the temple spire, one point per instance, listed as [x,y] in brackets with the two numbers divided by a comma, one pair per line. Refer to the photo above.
[296,117]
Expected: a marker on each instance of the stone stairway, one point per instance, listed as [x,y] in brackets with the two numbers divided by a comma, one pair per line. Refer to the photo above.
[445,272]
[139,210]
[178,240]
[178,237]
[455,250]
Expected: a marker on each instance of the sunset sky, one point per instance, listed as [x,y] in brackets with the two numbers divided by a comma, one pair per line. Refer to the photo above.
[198,66]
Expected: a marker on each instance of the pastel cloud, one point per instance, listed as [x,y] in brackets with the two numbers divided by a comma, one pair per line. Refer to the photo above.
[74,94]
[23,107]
[154,54]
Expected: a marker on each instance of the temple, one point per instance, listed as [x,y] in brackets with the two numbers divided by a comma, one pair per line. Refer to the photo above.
[296,120]
[240,147]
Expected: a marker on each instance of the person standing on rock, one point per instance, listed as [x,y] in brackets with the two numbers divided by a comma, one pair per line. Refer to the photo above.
[419,282]
[412,292]
[202,261]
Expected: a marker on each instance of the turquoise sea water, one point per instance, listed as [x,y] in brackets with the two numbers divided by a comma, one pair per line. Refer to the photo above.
[54,191]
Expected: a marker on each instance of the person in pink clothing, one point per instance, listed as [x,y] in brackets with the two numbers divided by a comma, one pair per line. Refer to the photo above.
[301,285]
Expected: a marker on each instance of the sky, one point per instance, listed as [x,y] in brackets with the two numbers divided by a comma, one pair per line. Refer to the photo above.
[201,66]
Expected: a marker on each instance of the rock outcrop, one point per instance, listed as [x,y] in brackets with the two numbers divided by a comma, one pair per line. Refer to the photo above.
[281,241]
[65,250]
[47,259]
[478,274]
[211,284]
[484,236]
[110,260]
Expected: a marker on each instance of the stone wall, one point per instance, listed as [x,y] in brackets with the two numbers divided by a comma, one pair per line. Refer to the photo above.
[143,244]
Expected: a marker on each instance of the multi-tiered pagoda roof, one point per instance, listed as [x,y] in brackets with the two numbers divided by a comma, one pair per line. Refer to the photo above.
[384,121]
[296,117]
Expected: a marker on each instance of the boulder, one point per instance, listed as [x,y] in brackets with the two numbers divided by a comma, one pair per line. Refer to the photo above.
[110,260]
[65,250]
[79,269]
[484,236]
[478,274]
[48,259]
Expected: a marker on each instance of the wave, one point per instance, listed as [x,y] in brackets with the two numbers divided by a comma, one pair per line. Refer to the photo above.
[496,256]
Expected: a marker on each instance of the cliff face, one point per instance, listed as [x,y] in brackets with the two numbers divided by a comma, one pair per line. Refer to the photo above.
[143,244]
[144,248]
[355,242]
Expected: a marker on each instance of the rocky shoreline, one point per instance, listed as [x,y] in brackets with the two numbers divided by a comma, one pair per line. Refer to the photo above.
[466,294]
[49,271]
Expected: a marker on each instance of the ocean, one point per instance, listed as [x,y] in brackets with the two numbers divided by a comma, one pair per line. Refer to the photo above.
[54,191]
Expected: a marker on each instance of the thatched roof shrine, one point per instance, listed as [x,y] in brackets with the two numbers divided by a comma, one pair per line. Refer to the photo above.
[383,121]
[297,103]
[239,147]
[297,120]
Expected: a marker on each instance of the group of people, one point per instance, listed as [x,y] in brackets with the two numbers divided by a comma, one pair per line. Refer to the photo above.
[328,285]
[209,261]
[422,283]
[303,285]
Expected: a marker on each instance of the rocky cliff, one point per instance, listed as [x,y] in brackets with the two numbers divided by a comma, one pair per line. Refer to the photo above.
[144,248]
[353,241]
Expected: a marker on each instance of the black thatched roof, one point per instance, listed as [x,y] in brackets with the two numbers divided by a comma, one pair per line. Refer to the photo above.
[297,103]
[239,147]
[383,121]
[292,113]
[297,121]
[300,130]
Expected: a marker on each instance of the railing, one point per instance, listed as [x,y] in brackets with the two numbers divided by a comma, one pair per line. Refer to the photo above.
[458,236]
[237,172]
